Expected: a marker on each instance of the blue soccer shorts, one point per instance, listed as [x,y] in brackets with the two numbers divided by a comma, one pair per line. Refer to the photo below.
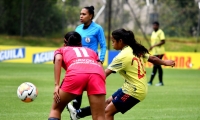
[123,102]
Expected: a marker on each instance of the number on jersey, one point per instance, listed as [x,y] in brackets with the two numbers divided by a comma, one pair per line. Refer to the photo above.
[78,52]
[139,62]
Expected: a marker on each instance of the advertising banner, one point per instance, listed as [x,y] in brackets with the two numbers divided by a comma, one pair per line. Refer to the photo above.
[22,54]
[40,55]
[184,60]
[36,55]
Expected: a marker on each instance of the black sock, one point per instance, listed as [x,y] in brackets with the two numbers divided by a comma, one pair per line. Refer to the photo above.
[83,112]
[77,102]
[153,73]
[53,119]
[160,72]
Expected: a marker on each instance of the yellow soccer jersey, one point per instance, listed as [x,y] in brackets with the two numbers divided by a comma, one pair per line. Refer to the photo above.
[156,38]
[133,71]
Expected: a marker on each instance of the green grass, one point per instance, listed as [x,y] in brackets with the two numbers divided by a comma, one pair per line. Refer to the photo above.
[177,100]
[30,41]
[175,44]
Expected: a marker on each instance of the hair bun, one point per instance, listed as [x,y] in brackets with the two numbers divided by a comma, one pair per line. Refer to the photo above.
[92,7]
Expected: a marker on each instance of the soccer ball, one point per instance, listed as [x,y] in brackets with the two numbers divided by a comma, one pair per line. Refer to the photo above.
[27,92]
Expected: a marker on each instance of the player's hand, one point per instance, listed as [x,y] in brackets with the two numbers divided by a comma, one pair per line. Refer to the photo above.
[56,95]
[101,62]
[170,63]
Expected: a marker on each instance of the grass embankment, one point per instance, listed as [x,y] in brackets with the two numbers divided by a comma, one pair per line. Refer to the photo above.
[176,44]
[173,44]
[30,41]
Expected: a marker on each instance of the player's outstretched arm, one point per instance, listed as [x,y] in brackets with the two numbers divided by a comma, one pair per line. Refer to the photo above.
[156,60]
[108,72]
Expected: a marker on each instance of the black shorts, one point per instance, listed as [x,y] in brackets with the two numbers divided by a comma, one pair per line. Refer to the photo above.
[123,102]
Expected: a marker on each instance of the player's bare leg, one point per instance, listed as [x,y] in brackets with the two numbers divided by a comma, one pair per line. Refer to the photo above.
[57,108]
[110,111]
[108,101]
[97,106]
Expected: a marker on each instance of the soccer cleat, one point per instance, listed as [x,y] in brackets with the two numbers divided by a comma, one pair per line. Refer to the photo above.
[149,84]
[72,111]
[159,84]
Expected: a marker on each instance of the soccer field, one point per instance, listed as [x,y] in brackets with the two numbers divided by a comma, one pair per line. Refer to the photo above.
[179,99]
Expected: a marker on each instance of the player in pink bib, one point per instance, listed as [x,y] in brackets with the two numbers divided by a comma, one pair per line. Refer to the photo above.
[84,72]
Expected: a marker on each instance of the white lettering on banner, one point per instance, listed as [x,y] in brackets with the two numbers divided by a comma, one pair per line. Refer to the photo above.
[12,54]
[43,57]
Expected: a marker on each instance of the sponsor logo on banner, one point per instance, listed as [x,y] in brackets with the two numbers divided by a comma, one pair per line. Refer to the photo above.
[10,54]
[43,57]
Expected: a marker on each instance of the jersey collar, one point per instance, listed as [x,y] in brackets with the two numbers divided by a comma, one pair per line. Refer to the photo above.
[86,27]
[124,47]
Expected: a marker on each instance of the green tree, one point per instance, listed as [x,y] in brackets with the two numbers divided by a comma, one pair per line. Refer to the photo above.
[40,17]
[10,16]
[178,17]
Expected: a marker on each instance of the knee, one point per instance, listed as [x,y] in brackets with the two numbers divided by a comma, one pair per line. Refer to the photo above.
[108,113]
[107,102]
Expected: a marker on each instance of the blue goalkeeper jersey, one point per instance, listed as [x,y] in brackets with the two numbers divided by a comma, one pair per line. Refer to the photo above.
[91,37]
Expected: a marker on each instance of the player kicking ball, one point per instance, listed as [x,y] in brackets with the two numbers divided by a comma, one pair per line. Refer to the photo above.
[130,65]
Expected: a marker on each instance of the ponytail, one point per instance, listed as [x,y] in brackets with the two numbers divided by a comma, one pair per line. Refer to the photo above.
[129,39]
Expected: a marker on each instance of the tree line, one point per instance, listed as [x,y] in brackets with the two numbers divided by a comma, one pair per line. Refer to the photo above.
[35,17]
[46,17]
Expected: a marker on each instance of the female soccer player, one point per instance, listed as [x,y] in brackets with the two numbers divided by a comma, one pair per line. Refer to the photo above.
[75,60]
[158,50]
[130,64]
[92,35]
